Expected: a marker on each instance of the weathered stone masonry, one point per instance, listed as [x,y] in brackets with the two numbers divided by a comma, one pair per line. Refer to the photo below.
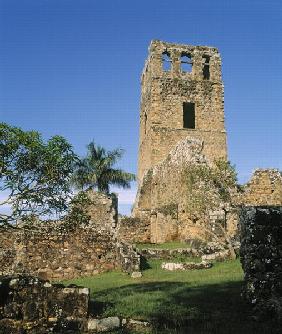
[57,255]
[31,305]
[261,257]
[164,93]
[181,117]
[56,251]
[170,142]
[264,188]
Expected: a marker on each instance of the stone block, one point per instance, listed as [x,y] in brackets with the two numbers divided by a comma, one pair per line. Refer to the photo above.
[104,324]
[136,274]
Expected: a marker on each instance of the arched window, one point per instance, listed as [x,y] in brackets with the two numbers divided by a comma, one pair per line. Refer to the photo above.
[186,62]
[206,67]
[166,60]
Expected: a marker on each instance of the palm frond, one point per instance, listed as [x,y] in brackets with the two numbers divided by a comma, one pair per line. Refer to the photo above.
[96,169]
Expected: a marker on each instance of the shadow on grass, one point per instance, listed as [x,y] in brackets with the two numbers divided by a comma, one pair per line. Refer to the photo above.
[144,264]
[176,307]
[98,307]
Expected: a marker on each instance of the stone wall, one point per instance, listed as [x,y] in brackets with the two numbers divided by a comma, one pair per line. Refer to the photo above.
[164,136]
[163,93]
[197,250]
[57,254]
[31,305]
[162,197]
[264,188]
[103,210]
[67,249]
[261,257]
[134,230]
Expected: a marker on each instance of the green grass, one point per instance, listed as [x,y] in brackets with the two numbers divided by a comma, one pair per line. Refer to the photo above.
[166,245]
[203,301]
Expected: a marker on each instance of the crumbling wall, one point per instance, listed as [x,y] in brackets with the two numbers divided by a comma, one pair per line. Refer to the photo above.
[57,254]
[102,210]
[133,230]
[31,305]
[264,188]
[169,217]
[65,249]
[261,257]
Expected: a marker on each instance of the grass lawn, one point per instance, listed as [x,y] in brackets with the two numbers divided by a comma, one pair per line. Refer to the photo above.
[203,301]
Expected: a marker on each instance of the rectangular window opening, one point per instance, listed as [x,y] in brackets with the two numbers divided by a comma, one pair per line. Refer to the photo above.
[189,115]
[206,68]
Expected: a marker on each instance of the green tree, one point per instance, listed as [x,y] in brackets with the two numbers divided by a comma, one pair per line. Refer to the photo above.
[34,175]
[97,170]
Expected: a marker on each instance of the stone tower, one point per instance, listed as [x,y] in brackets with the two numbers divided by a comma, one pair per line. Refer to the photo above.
[182,96]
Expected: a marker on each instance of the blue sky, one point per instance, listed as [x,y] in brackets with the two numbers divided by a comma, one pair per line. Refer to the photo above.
[72,67]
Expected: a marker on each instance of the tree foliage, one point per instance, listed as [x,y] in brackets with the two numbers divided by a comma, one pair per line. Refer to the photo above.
[97,170]
[77,214]
[34,175]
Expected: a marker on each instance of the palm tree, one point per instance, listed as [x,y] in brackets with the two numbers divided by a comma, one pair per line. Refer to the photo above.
[96,170]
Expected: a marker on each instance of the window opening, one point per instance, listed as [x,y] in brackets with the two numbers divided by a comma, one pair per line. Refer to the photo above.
[186,62]
[166,60]
[189,115]
[145,122]
[206,67]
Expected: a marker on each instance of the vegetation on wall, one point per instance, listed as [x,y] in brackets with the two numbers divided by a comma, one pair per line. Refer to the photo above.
[211,188]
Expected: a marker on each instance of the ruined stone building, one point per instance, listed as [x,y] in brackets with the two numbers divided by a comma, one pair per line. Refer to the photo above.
[264,188]
[182,96]
[70,248]
[181,122]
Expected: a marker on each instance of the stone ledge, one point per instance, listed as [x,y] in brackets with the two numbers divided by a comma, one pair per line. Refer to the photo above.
[186,266]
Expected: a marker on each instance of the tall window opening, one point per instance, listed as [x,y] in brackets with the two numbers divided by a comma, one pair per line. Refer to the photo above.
[206,67]
[186,62]
[166,60]
[189,115]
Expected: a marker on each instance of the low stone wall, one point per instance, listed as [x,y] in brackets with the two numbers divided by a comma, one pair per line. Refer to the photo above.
[156,253]
[261,254]
[29,305]
[32,305]
[132,230]
[210,248]
[57,254]
[171,266]
[67,249]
